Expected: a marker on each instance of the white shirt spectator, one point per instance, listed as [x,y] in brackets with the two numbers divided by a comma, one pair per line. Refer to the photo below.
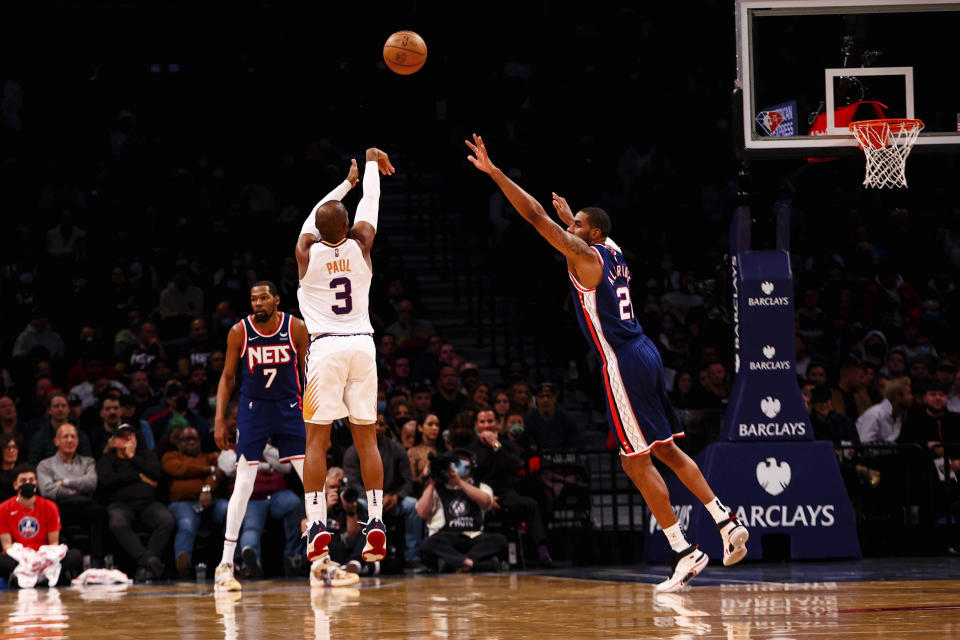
[878,424]
[84,391]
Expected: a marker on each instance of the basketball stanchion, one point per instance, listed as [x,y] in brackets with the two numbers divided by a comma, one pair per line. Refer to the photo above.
[886,143]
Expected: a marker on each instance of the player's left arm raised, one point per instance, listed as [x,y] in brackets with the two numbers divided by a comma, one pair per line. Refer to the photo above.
[309,234]
[576,250]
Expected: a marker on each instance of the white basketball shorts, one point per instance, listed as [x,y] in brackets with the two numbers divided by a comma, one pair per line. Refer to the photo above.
[341,379]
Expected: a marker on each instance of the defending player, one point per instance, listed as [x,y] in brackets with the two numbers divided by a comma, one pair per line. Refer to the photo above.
[335,274]
[270,345]
[638,410]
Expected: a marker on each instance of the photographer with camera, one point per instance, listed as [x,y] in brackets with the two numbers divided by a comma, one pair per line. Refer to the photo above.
[454,509]
[345,515]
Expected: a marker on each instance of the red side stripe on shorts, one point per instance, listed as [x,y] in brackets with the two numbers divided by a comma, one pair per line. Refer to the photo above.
[624,443]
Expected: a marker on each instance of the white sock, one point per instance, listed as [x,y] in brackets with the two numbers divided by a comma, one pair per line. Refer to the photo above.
[717,510]
[316,506]
[375,504]
[237,507]
[229,549]
[678,541]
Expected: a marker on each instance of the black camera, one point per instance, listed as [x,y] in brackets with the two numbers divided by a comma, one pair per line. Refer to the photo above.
[440,465]
[347,493]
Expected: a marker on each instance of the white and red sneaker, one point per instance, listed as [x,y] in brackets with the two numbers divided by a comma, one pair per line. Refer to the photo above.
[735,536]
[686,564]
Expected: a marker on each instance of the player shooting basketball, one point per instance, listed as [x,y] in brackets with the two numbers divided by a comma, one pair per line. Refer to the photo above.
[341,370]
[638,411]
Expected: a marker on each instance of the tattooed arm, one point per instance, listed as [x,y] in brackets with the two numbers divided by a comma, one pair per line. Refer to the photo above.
[582,259]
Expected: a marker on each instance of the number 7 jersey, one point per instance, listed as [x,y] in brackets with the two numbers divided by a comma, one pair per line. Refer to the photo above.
[606,313]
[334,293]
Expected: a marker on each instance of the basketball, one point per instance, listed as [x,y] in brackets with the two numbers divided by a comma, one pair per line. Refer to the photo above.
[405,52]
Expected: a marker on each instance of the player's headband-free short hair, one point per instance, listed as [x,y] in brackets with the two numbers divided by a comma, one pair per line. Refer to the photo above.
[598,218]
[272,288]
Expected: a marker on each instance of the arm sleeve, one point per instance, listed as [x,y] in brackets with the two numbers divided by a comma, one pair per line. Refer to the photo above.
[369,208]
[339,193]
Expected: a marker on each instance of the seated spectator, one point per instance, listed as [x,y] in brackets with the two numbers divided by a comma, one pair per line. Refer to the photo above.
[33,521]
[128,414]
[400,373]
[497,461]
[127,476]
[141,394]
[70,480]
[501,406]
[953,400]
[90,390]
[448,401]
[427,441]
[148,351]
[454,510]
[828,424]
[816,374]
[398,412]
[882,422]
[421,400]
[38,333]
[520,396]
[549,426]
[408,433]
[194,350]
[198,392]
[42,446]
[427,366]
[930,422]
[9,459]
[270,498]
[462,431]
[479,396]
[193,476]
[717,385]
[10,421]
[175,403]
[398,503]
[110,419]
[849,397]
[469,379]
[345,515]
[896,364]
[410,332]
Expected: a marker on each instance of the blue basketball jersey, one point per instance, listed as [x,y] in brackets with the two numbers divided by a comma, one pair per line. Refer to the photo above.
[268,364]
[606,313]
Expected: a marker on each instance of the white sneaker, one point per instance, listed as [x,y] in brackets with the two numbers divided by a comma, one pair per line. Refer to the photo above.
[686,564]
[224,580]
[327,573]
[735,536]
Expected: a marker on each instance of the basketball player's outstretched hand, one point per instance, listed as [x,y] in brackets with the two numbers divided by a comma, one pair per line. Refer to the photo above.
[354,173]
[382,160]
[479,159]
[563,209]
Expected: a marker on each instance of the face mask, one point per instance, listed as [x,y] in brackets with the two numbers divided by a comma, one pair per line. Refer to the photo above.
[381,405]
[516,429]
[462,468]
[28,490]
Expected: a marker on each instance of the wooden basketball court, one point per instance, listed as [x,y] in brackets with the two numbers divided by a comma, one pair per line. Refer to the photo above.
[518,605]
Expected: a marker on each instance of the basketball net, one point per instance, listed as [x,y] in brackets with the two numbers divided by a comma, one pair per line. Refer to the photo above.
[886,143]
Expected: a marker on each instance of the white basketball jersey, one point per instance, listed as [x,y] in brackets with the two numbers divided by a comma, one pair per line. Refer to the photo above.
[334,294]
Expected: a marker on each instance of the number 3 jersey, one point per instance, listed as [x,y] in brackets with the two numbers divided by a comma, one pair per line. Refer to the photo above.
[334,293]
[268,362]
[606,313]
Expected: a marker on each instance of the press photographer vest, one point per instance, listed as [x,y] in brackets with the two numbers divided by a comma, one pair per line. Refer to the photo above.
[460,513]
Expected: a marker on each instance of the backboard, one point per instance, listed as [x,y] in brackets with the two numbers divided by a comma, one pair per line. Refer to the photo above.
[806,68]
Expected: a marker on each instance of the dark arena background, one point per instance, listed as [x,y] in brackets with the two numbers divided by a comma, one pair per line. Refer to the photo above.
[159,158]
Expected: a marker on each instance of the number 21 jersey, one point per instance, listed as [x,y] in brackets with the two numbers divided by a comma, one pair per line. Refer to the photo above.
[334,293]
[606,314]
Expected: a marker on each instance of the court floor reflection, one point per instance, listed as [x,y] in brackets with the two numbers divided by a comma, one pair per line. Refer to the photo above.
[490,607]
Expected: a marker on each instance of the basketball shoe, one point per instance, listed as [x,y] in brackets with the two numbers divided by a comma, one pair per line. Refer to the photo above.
[327,573]
[224,580]
[376,547]
[686,564]
[734,535]
[317,540]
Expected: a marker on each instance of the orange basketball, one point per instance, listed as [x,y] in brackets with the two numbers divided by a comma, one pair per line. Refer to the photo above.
[405,52]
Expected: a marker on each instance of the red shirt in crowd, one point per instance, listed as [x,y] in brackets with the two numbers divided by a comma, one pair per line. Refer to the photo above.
[29,527]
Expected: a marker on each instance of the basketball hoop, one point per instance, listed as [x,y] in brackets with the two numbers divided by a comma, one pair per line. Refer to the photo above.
[886,143]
